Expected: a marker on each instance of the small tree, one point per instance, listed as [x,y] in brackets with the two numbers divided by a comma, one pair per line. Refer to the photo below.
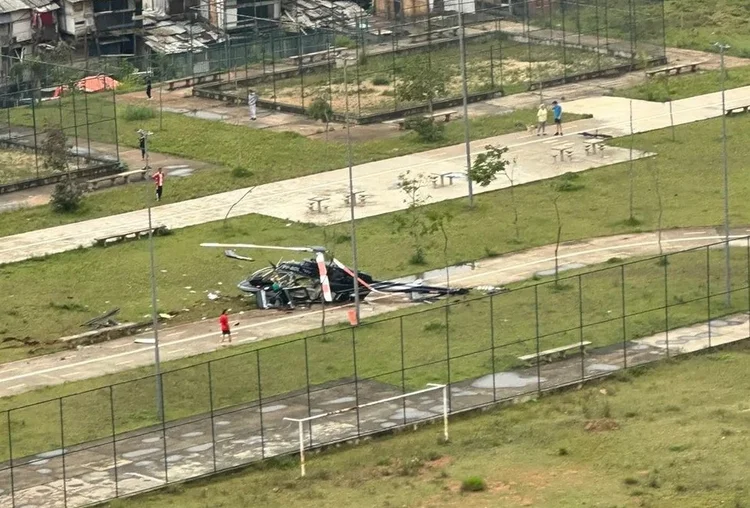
[488,165]
[439,223]
[657,184]
[420,81]
[66,197]
[511,178]
[557,242]
[413,220]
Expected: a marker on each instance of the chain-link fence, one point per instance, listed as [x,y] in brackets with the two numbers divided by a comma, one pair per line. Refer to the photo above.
[89,122]
[111,441]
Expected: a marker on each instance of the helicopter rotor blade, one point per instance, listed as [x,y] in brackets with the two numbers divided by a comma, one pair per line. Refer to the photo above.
[324,282]
[231,254]
[253,246]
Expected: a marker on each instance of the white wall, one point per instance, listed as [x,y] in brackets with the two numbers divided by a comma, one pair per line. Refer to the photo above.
[21,25]
[460,5]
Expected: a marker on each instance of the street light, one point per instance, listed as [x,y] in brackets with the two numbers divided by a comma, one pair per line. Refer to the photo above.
[154,315]
[466,100]
[351,197]
[723,47]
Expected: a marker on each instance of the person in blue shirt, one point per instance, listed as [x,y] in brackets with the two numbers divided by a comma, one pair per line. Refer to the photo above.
[557,115]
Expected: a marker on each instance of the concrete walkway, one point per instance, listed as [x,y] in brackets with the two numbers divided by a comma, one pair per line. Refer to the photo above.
[256,325]
[378,178]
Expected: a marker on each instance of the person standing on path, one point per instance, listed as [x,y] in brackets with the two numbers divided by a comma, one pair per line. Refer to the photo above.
[557,115]
[148,87]
[252,100]
[226,333]
[142,144]
[159,180]
[541,118]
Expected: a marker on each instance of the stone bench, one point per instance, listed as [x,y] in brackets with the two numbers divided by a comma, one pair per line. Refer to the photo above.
[401,122]
[558,352]
[94,183]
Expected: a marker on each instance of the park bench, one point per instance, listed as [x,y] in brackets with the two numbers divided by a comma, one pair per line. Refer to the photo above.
[562,150]
[736,109]
[440,177]
[125,175]
[676,68]
[317,56]
[402,121]
[558,352]
[592,146]
[434,34]
[130,235]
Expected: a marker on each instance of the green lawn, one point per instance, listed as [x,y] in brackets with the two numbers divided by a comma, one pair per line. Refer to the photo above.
[681,443]
[663,88]
[273,157]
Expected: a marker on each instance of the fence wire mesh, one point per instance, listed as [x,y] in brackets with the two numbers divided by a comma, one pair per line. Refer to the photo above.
[110,441]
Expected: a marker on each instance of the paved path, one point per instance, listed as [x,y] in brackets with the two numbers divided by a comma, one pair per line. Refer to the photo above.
[201,337]
[378,178]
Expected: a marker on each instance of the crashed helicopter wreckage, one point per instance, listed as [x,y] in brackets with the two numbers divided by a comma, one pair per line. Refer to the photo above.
[290,283]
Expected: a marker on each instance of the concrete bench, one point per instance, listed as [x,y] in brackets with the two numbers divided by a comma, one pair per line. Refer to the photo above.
[130,235]
[402,121]
[434,34]
[317,56]
[558,352]
[100,335]
[736,109]
[677,69]
[113,178]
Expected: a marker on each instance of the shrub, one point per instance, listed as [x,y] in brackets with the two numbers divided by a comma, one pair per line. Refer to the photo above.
[66,197]
[137,113]
[381,81]
[320,109]
[426,128]
[240,172]
[473,484]
[342,41]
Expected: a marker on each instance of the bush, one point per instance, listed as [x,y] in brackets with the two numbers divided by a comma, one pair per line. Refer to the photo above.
[426,128]
[473,484]
[67,196]
[240,172]
[320,109]
[136,113]
[342,41]
[381,81]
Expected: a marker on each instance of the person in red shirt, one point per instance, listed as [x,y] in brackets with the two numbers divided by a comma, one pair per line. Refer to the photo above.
[226,333]
[158,177]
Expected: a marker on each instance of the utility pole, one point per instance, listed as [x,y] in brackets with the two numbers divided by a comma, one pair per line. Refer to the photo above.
[351,197]
[467,138]
[154,312]
[723,47]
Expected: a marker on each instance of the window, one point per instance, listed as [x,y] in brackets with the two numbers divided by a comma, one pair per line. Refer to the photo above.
[78,7]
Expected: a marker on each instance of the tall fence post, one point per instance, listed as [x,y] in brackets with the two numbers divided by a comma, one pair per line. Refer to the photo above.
[448,351]
[536,326]
[273,68]
[403,366]
[260,406]
[624,318]
[10,454]
[114,113]
[580,325]
[492,345]
[356,381]
[88,131]
[492,71]
[164,431]
[36,144]
[211,409]
[75,129]
[664,261]
[708,295]
[62,450]
[748,277]
[307,384]
[114,437]
[598,52]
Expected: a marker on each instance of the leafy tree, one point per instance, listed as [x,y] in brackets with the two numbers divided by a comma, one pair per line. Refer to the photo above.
[488,165]
[67,195]
[421,81]
[413,221]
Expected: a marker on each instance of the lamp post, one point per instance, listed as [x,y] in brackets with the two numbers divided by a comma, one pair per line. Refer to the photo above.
[351,196]
[465,93]
[154,313]
[723,47]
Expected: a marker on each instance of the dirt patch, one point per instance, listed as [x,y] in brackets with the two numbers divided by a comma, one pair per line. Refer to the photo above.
[601,425]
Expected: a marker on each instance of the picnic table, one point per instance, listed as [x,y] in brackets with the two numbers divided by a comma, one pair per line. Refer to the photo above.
[593,145]
[450,175]
[562,149]
[359,197]
[317,201]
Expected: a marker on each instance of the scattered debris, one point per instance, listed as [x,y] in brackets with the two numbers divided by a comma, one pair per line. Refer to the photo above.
[301,15]
[166,316]
[600,425]
[491,290]
[213,296]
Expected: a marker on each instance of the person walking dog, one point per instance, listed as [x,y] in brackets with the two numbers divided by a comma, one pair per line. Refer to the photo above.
[541,118]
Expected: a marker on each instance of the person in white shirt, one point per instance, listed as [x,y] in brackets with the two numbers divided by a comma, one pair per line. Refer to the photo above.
[252,99]
[541,118]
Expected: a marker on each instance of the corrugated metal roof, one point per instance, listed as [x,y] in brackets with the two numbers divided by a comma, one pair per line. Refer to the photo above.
[23,5]
[170,37]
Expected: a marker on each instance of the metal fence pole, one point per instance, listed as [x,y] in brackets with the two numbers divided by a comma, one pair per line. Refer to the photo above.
[114,437]
[492,71]
[273,68]
[393,68]
[598,53]
[36,143]
[307,383]
[260,406]
[10,453]
[624,319]
[211,408]
[62,448]
[536,325]
[580,325]
[356,381]
[665,261]
[565,54]
[164,429]
[448,351]
[748,277]
[299,65]
[75,130]
[708,294]
[492,345]
[606,24]
[88,121]
[403,366]
[114,111]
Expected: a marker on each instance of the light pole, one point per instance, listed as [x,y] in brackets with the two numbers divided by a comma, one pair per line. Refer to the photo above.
[723,47]
[351,196]
[154,313]
[466,101]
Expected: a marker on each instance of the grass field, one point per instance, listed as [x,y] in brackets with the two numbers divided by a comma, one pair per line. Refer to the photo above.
[226,145]
[681,442]
[498,64]
[663,88]
[16,165]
